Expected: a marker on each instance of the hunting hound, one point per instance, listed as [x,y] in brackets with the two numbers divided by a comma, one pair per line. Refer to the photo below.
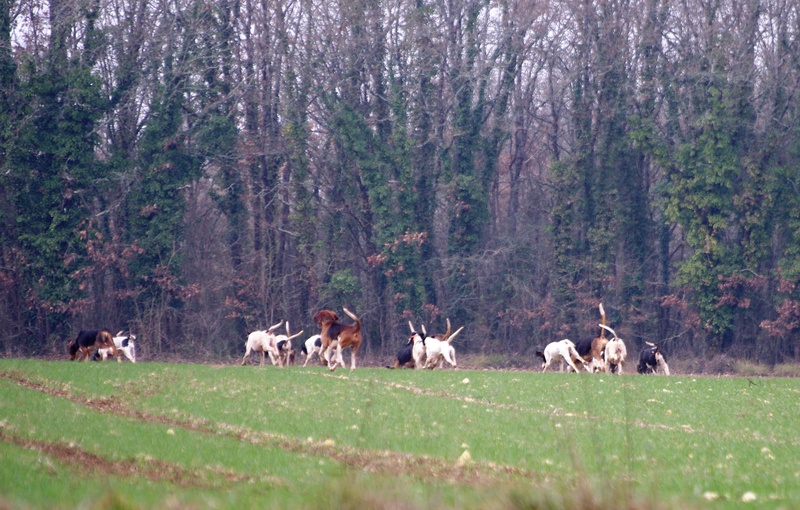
[561,352]
[438,348]
[124,344]
[615,352]
[592,348]
[651,360]
[89,340]
[263,342]
[347,335]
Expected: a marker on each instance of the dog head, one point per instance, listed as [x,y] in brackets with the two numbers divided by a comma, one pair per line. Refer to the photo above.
[323,317]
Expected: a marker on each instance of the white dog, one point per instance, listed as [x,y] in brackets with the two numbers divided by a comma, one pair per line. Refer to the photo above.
[438,348]
[418,346]
[124,344]
[560,352]
[263,342]
[615,353]
[283,345]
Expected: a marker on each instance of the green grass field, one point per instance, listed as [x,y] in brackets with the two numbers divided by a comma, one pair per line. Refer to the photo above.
[154,435]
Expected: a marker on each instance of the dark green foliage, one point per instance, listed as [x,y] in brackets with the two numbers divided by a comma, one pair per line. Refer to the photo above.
[198,170]
[53,177]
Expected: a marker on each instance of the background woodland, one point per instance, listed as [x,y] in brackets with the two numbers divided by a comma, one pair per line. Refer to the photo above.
[192,170]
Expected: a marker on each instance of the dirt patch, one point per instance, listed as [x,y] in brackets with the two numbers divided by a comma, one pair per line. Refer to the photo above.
[155,470]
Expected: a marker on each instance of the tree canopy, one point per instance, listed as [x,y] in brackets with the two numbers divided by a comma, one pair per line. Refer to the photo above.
[194,170]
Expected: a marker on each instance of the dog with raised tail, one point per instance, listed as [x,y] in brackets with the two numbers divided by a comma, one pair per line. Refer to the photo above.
[438,348]
[592,348]
[345,335]
[412,354]
[615,353]
[561,352]
[419,351]
[283,344]
[263,342]
[124,344]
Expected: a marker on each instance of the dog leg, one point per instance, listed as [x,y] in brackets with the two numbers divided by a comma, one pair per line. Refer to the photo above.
[572,365]
[330,356]
[339,360]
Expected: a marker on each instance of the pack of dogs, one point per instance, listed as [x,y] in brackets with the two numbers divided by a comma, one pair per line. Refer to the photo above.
[601,354]
[424,351]
[420,351]
[100,345]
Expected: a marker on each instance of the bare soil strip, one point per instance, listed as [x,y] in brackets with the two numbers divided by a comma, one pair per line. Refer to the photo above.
[86,463]
[384,462]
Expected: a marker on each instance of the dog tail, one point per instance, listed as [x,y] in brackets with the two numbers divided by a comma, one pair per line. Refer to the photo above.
[449,338]
[356,319]
[539,354]
[603,321]
[603,326]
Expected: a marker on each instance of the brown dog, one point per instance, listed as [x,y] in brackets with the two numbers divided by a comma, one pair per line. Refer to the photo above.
[591,349]
[346,335]
[87,341]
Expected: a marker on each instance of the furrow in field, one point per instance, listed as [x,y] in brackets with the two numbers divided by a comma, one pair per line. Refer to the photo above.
[385,462]
[83,462]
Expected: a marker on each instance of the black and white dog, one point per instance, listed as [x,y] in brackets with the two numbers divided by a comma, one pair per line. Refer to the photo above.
[405,356]
[125,344]
[651,360]
[311,347]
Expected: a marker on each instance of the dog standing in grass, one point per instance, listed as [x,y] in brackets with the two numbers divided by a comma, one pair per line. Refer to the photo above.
[438,349]
[615,353]
[591,349]
[125,344]
[91,340]
[344,335]
[263,342]
[560,352]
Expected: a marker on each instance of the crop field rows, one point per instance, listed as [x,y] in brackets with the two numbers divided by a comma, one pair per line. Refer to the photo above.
[157,435]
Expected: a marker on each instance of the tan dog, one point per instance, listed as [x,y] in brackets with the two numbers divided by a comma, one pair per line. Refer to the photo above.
[88,341]
[347,335]
[591,349]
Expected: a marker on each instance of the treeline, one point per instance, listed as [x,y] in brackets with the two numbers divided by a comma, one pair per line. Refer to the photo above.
[192,170]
